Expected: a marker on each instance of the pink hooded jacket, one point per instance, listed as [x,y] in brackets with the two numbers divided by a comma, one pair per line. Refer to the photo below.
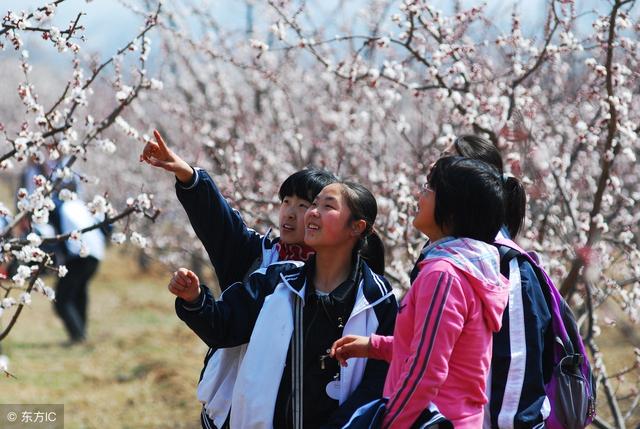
[441,348]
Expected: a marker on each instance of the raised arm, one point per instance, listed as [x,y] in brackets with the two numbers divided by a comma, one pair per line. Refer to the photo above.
[232,246]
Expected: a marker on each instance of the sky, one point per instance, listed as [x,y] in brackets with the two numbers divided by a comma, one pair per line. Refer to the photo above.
[111,24]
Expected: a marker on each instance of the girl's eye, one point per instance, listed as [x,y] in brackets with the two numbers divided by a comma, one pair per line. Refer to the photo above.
[329,207]
[304,206]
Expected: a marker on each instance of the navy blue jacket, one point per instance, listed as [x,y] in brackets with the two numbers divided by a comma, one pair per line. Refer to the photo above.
[233,248]
[230,320]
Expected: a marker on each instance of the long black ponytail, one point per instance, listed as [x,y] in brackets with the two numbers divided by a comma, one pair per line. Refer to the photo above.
[363,206]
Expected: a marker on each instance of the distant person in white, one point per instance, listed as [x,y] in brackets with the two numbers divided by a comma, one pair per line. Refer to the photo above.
[82,258]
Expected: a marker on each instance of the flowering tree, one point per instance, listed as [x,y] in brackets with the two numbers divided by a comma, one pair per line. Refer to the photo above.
[379,101]
[70,127]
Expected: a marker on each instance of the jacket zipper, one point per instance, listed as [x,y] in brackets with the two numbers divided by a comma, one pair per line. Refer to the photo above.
[288,412]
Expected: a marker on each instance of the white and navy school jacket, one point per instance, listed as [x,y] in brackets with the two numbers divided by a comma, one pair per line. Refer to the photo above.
[235,251]
[260,312]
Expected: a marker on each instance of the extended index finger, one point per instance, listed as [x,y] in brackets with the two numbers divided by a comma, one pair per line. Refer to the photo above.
[160,141]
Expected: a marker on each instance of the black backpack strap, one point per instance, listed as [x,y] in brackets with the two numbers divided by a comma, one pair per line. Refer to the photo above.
[506,255]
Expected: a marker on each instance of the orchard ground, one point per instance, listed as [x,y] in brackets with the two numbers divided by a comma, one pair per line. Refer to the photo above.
[138,369]
[140,366]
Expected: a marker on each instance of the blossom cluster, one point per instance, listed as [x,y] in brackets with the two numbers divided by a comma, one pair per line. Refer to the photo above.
[56,121]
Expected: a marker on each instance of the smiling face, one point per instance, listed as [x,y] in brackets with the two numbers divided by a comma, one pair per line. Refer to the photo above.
[291,218]
[328,220]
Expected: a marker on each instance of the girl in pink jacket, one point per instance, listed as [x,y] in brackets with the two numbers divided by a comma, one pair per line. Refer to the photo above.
[440,351]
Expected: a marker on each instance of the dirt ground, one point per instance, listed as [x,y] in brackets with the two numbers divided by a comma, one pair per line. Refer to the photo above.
[138,369]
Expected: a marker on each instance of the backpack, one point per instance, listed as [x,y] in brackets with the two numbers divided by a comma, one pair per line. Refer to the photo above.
[371,415]
[571,389]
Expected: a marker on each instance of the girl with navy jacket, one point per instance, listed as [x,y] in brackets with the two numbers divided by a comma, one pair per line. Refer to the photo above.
[290,313]
[234,249]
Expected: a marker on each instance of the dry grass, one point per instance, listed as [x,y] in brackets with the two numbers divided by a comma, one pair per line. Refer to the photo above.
[617,344]
[139,368]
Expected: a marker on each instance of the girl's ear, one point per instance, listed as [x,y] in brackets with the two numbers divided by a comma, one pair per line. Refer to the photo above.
[358,227]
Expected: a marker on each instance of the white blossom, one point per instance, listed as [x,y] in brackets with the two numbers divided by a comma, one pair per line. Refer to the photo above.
[34,239]
[118,238]
[40,216]
[67,195]
[62,271]
[99,205]
[124,93]
[138,240]
[49,293]
[156,84]
[259,45]
[25,298]
[8,303]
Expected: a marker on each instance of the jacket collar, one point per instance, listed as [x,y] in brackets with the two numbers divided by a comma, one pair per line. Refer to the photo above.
[375,288]
[343,291]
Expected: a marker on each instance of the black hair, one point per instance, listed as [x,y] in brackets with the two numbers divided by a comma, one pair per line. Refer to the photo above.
[363,206]
[306,184]
[476,147]
[469,197]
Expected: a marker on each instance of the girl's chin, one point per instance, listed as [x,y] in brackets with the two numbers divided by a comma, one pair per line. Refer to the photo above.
[310,239]
[420,229]
[290,237]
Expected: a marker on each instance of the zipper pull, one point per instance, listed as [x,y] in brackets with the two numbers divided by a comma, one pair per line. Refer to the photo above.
[322,359]
[340,324]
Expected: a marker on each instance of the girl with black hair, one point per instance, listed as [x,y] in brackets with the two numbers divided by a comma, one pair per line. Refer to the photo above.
[290,313]
[521,362]
[234,249]
[440,350]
